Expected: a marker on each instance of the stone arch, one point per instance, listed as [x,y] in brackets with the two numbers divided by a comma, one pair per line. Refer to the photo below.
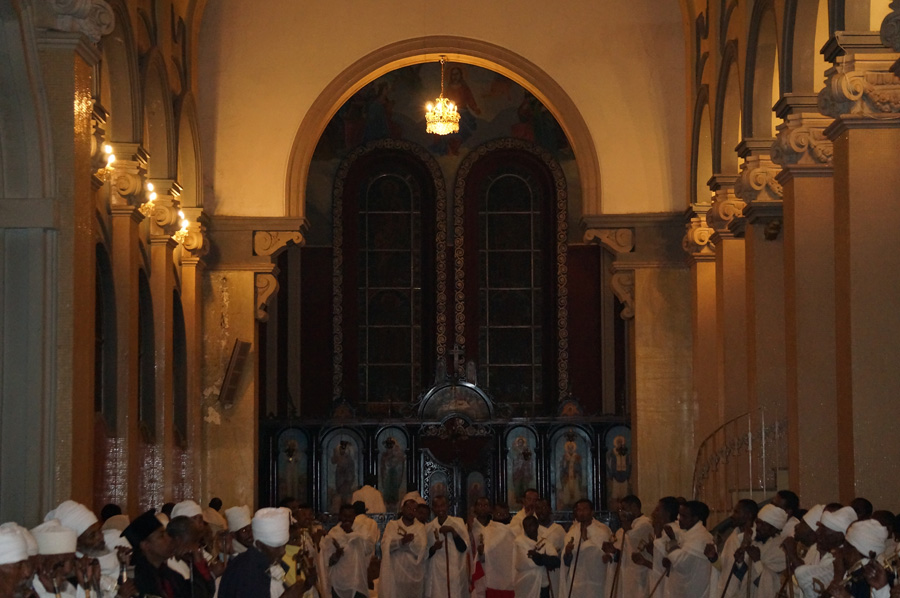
[189,169]
[761,84]
[860,15]
[701,149]
[727,123]
[806,29]
[158,119]
[25,147]
[427,49]
[120,87]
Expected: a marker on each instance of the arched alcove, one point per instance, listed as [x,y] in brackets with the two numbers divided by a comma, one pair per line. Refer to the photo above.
[701,149]
[727,131]
[158,121]
[762,86]
[146,361]
[806,30]
[120,88]
[189,167]
[457,49]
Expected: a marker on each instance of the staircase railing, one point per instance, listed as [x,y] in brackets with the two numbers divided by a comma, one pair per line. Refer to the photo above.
[742,458]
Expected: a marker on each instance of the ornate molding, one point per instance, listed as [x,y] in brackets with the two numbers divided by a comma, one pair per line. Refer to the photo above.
[93,18]
[195,241]
[622,283]
[127,176]
[266,286]
[862,85]
[801,140]
[163,210]
[724,210]
[890,27]
[757,180]
[269,242]
[697,240]
[617,240]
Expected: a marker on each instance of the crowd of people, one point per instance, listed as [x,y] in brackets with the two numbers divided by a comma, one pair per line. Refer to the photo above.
[186,551]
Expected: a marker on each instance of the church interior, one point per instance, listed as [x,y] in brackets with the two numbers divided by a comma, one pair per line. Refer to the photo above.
[234,263]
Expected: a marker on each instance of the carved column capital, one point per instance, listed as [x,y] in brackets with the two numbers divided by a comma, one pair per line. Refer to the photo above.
[270,242]
[862,85]
[93,18]
[757,180]
[726,207]
[193,233]
[617,240]
[163,210]
[697,240]
[266,286]
[890,27]
[801,141]
[127,175]
[622,283]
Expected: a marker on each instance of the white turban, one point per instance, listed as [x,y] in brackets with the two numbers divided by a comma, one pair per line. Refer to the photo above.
[214,519]
[186,508]
[867,536]
[53,538]
[840,520]
[774,516]
[30,542]
[238,517]
[73,515]
[813,516]
[414,495]
[272,526]
[116,522]
[13,548]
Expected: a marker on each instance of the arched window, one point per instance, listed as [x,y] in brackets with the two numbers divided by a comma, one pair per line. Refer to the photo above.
[179,370]
[146,361]
[105,342]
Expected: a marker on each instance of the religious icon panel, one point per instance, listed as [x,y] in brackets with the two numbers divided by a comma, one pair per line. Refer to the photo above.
[521,464]
[293,451]
[617,449]
[392,448]
[573,462]
[341,463]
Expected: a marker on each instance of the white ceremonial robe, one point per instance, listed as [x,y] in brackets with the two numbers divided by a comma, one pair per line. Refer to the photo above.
[734,581]
[658,578]
[632,577]
[478,583]
[349,575]
[690,573]
[516,522]
[402,565]
[767,570]
[447,567]
[499,549]
[555,535]
[585,575]
[372,497]
[531,577]
[823,570]
[367,525]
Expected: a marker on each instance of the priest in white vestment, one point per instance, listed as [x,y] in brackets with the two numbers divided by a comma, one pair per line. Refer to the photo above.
[689,567]
[766,553]
[448,546]
[727,579]
[552,533]
[404,547]
[635,535]
[346,552]
[583,572]
[534,559]
[494,544]
[812,577]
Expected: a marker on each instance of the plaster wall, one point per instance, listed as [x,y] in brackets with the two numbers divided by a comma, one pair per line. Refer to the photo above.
[621,64]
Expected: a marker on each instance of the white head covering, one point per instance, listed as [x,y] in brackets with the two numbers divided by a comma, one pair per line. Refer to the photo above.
[116,522]
[414,495]
[73,515]
[867,536]
[114,538]
[30,542]
[238,517]
[774,516]
[186,508]
[813,516]
[214,519]
[272,526]
[53,538]
[839,520]
[13,547]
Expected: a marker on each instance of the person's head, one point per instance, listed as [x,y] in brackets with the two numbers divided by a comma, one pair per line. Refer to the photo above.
[745,512]
[371,480]
[531,497]
[630,507]
[863,507]
[91,542]
[423,513]
[666,510]
[157,546]
[501,513]
[832,527]
[584,511]
[885,518]
[346,516]
[185,534]
[864,539]
[769,522]
[408,510]
[14,561]
[167,509]
[271,532]
[543,511]
[482,507]
[787,501]
[441,506]
[305,516]
[215,503]
[530,527]
[110,510]
[360,507]
[691,513]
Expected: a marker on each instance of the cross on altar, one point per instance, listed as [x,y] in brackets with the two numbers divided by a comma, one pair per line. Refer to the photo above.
[458,356]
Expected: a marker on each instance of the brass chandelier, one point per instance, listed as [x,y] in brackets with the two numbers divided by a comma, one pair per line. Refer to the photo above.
[441,118]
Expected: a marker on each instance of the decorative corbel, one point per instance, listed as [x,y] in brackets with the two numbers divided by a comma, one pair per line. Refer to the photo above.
[93,18]
[801,140]
[194,238]
[266,286]
[757,180]
[697,240]
[127,176]
[862,85]
[617,240]
[622,283]
[163,210]
[725,209]
[270,242]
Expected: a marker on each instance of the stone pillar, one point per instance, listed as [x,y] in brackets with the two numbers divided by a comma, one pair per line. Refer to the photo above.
[761,193]
[725,218]
[701,259]
[804,155]
[863,95]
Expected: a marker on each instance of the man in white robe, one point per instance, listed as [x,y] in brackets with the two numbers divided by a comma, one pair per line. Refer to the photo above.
[726,581]
[626,577]
[789,502]
[766,554]
[494,549]
[347,550]
[15,569]
[552,533]
[447,556]
[529,504]
[370,495]
[404,547]
[665,514]
[534,559]
[689,567]
[811,578]
[583,572]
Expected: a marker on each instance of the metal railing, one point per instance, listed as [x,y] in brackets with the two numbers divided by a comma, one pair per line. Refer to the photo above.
[743,458]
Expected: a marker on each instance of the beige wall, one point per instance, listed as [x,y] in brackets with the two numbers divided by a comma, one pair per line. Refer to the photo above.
[622,64]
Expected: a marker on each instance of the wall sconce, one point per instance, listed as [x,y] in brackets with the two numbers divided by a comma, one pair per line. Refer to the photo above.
[181,234]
